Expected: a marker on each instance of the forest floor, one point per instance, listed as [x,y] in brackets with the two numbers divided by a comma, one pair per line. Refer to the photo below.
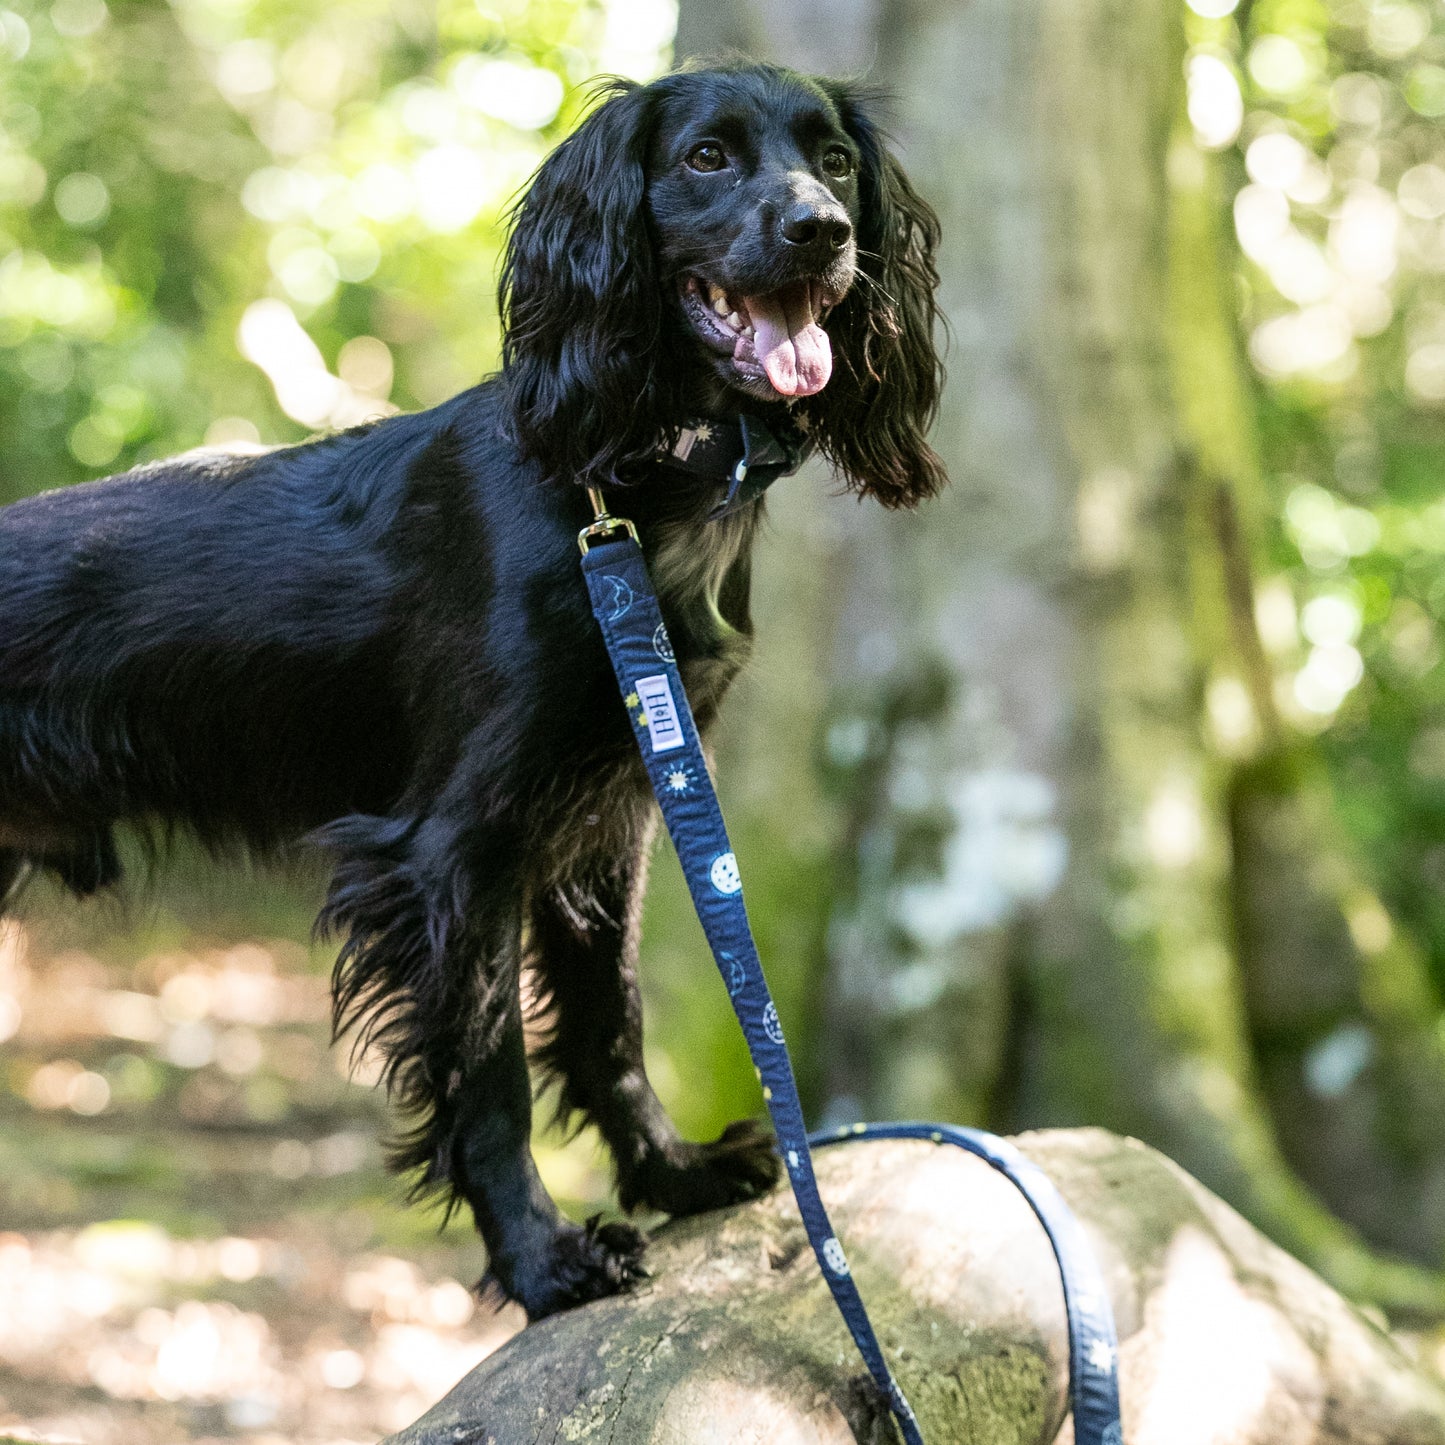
[198,1239]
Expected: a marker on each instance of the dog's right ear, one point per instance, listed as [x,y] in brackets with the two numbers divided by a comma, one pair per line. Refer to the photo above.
[872,419]
[580,302]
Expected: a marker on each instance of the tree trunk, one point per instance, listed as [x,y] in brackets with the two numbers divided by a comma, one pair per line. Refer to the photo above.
[1341,1011]
[1032,921]
[1222,1336]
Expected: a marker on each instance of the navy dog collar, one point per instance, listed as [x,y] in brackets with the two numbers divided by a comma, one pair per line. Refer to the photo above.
[743,454]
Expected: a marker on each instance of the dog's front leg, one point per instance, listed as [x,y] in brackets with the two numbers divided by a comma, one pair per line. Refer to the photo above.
[584,936]
[430,971]
[535,1255]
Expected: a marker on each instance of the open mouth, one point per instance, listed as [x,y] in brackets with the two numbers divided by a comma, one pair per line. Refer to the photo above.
[775,336]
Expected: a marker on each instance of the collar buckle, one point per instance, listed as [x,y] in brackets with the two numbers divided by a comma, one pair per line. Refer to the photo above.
[768,454]
[743,455]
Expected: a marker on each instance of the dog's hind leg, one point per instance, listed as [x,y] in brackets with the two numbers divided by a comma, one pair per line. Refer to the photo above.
[86,864]
[15,871]
[432,970]
[84,860]
[58,796]
[583,942]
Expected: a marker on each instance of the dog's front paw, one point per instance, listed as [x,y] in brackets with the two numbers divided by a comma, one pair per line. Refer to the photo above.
[582,1263]
[687,1178]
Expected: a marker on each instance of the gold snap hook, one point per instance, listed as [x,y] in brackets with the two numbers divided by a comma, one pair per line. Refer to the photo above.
[604,524]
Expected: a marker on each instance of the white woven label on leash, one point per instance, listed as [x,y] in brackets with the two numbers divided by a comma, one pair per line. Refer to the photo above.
[661,713]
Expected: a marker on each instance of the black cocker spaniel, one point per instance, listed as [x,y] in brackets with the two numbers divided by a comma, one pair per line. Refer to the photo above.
[381,640]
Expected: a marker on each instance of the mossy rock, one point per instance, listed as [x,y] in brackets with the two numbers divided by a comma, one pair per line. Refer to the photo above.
[1224,1339]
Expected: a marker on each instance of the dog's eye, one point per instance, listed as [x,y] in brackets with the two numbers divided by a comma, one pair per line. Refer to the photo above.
[708,157]
[837,163]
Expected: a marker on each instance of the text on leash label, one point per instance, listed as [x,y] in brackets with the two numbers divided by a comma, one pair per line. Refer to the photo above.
[663,724]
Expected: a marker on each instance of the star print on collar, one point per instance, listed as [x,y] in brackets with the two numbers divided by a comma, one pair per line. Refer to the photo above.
[693,436]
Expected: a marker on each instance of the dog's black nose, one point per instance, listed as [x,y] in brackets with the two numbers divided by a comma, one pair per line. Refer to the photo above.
[816,228]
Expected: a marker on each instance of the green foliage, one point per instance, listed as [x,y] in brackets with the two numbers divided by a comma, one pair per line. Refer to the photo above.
[164,168]
[1337,166]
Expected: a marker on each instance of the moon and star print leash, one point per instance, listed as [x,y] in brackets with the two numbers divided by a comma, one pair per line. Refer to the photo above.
[627,611]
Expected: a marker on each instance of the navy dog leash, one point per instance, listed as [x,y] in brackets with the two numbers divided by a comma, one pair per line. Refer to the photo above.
[626,609]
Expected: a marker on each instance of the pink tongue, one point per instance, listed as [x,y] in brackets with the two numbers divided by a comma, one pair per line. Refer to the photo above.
[792,348]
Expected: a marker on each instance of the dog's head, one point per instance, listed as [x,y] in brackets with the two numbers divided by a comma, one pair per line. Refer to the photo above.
[736,230]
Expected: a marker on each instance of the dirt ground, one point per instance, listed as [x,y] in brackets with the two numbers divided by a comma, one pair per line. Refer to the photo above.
[198,1241]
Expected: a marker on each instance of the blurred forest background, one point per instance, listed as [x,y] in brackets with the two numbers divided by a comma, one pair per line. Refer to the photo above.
[1110,789]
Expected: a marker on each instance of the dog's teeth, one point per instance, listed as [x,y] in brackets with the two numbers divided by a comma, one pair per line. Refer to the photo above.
[734,320]
[748,332]
[714,291]
[720,305]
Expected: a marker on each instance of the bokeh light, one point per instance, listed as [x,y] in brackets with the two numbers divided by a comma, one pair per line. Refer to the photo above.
[1216,108]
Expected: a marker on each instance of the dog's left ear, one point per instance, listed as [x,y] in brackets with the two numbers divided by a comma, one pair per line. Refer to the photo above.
[872,418]
[580,301]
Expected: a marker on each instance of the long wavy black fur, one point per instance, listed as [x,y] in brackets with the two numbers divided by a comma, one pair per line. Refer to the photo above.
[582,301]
[872,419]
[392,990]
